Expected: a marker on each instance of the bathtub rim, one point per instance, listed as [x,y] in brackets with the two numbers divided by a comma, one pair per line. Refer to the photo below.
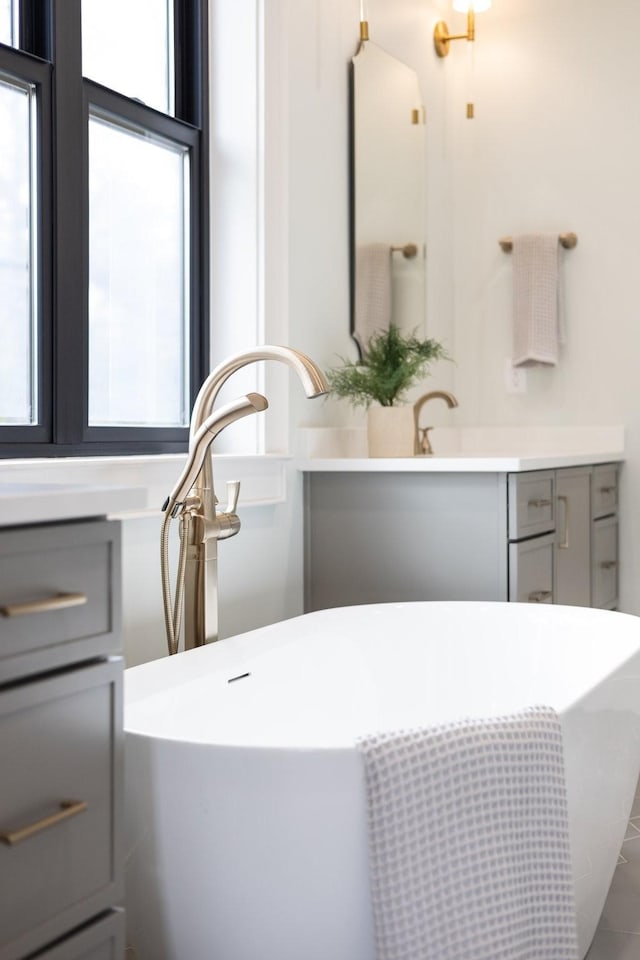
[146,681]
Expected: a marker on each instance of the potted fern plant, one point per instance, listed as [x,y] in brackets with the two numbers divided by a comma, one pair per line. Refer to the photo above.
[392,363]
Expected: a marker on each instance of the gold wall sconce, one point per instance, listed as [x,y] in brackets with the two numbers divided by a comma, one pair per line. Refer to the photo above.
[441,36]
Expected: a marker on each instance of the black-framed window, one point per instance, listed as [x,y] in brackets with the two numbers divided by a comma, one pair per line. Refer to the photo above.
[103,224]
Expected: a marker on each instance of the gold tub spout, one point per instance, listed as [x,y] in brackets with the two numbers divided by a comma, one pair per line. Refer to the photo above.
[421,442]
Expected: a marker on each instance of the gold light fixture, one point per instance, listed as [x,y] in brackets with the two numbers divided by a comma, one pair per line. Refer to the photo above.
[441,36]
[364,22]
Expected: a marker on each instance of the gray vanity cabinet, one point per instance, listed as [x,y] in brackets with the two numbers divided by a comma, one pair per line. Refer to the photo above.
[537,537]
[372,537]
[60,742]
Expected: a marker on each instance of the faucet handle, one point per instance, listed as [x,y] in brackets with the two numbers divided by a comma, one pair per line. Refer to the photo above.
[233,492]
[227,523]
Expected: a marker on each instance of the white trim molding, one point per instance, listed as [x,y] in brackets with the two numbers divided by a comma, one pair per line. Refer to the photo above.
[249,207]
[263,479]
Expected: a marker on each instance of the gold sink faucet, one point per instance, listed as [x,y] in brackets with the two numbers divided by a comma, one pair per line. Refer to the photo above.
[421,443]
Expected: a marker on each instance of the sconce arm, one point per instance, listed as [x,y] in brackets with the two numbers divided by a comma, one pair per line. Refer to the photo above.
[442,38]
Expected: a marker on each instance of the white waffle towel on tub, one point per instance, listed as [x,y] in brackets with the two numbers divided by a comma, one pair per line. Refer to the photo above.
[372,292]
[537,295]
[468,841]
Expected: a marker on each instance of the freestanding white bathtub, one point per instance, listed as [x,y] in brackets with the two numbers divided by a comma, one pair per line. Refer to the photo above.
[245,804]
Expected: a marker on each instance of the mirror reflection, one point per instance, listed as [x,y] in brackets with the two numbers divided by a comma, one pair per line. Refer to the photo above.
[387,195]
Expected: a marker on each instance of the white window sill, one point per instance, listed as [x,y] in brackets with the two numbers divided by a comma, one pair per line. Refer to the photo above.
[263,479]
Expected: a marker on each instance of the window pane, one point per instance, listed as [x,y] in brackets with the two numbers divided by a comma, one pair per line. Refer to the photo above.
[138,249]
[127,45]
[9,22]
[18,402]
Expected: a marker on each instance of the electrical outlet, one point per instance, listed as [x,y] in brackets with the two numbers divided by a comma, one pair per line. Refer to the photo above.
[515,378]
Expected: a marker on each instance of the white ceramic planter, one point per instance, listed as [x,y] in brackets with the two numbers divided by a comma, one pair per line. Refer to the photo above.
[390,431]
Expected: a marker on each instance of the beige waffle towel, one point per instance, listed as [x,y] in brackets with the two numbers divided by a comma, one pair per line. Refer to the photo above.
[373,292]
[536,299]
[468,841]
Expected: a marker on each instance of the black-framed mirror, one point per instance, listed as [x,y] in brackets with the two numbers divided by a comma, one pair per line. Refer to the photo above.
[387,181]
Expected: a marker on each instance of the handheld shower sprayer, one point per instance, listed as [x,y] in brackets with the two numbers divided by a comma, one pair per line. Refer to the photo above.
[202,440]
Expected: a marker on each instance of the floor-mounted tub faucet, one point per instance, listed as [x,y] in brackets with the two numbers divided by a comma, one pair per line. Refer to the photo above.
[421,442]
[193,498]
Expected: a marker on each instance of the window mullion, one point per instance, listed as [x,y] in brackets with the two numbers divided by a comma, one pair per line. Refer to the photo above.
[36,28]
[184,14]
[71,226]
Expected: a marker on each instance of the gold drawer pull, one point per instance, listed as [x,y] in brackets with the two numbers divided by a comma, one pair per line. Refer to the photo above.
[68,808]
[539,596]
[539,504]
[606,490]
[58,602]
[564,542]
[608,564]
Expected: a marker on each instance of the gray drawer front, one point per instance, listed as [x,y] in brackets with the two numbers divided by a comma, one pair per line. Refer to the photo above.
[604,490]
[531,499]
[42,563]
[62,738]
[103,940]
[605,563]
[531,570]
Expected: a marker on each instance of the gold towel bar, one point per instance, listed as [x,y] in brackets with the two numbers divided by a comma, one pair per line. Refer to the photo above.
[408,250]
[567,240]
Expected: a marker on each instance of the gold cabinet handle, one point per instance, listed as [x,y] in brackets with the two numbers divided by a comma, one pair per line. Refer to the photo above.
[606,490]
[539,596]
[564,542]
[68,808]
[60,601]
[539,504]
[608,564]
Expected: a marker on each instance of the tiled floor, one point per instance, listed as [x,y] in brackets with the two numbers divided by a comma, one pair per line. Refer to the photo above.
[618,934]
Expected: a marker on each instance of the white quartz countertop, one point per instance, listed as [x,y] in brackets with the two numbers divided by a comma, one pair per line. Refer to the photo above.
[454,463]
[24,503]
[472,450]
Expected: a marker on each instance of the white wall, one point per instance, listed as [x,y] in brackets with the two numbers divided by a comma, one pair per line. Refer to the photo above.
[555,146]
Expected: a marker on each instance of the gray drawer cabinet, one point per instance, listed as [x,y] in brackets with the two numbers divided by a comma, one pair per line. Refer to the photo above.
[530,504]
[532,537]
[57,587]
[531,570]
[60,742]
